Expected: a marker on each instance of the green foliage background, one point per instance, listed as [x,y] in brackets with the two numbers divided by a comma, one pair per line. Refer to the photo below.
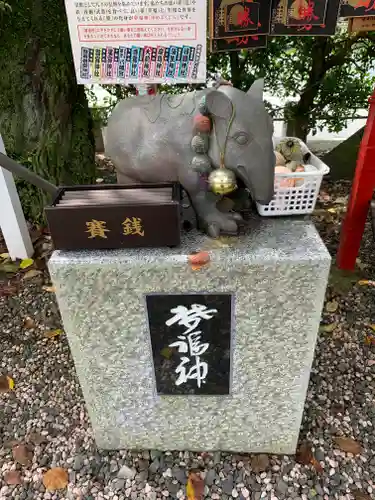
[44,116]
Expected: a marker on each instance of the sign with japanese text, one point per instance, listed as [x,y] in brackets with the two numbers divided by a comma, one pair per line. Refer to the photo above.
[357,8]
[304,17]
[138,41]
[232,18]
[191,342]
[361,24]
[238,43]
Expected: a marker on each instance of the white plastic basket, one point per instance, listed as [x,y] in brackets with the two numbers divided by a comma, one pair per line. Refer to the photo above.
[296,192]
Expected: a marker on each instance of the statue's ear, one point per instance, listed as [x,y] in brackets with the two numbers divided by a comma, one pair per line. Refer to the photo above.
[219,105]
[256,90]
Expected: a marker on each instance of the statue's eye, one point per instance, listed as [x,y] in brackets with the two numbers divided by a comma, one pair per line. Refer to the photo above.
[241,138]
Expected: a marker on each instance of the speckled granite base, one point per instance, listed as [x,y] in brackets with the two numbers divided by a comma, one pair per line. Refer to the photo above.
[279,273]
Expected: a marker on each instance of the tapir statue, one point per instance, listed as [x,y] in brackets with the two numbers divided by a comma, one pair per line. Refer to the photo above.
[149,139]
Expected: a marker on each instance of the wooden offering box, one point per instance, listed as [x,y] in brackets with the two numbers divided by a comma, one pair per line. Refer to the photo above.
[115,216]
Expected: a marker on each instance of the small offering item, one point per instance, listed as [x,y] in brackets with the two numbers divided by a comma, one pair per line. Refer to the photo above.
[298,176]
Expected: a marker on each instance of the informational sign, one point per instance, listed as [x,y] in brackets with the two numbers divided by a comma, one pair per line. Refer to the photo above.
[138,41]
[231,18]
[357,8]
[304,17]
[191,342]
[361,24]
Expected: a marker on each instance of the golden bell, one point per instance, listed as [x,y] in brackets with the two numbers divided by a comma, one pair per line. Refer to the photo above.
[222,181]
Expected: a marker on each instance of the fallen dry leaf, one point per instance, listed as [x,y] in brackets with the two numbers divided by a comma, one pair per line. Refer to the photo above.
[53,333]
[259,463]
[9,267]
[6,384]
[332,210]
[317,466]
[372,327]
[366,283]
[328,328]
[198,260]
[32,273]
[4,256]
[166,352]
[348,445]
[26,263]
[370,362]
[332,306]
[49,289]
[304,455]
[7,290]
[22,454]
[29,323]
[369,340]
[12,477]
[55,479]
[360,495]
[195,486]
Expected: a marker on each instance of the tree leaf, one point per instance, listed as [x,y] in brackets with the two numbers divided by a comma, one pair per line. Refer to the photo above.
[195,486]
[9,267]
[29,323]
[7,290]
[53,333]
[198,260]
[259,463]
[55,479]
[317,466]
[332,306]
[328,328]
[26,263]
[49,289]
[32,273]
[12,477]
[4,256]
[22,454]
[369,340]
[304,455]
[6,384]
[366,283]
[348,445]
[360,495]
[166,352]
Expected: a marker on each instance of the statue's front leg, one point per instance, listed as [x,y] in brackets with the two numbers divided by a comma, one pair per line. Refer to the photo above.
[204,203]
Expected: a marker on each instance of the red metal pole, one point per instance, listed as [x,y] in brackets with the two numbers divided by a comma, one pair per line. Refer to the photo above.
[360,196]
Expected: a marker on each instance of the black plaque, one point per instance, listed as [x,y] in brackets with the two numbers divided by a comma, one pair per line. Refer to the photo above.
[230,18]
[237,43]
[191,342]
[357,8]
[281,18]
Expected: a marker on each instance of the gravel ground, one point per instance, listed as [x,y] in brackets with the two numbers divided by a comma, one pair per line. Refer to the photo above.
[46,411]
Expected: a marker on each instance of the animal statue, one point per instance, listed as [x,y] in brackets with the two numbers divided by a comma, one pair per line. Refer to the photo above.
[149,139]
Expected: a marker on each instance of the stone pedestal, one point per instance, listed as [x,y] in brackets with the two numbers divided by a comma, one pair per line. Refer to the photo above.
[277,275]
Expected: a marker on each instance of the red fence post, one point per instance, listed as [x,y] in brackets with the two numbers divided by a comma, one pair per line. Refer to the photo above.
[360,196]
